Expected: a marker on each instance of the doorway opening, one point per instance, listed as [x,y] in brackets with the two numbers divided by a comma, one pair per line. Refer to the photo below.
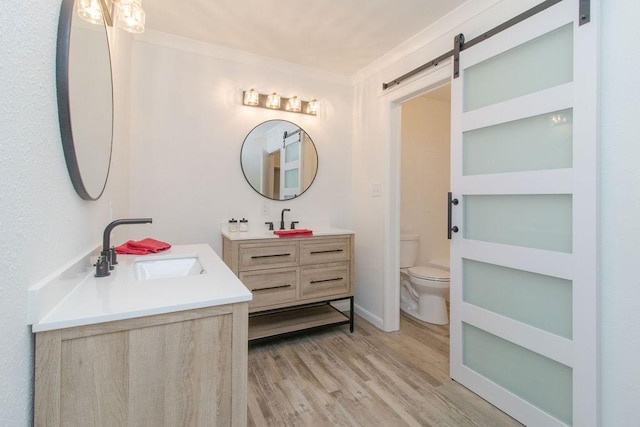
[424,175]
[435,87]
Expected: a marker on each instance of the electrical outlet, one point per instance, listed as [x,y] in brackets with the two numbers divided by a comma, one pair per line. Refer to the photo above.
[264,208]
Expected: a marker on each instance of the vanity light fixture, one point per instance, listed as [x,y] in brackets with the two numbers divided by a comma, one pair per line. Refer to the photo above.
[294,104]
[251,97]
[93,11]
[273,101]
[131,17]
[312,107]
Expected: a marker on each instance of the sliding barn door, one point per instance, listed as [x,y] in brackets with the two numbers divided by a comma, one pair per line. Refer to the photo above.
[524,257]
[291,155]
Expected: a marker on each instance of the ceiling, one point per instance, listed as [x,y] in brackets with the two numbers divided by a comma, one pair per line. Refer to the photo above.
[340,36]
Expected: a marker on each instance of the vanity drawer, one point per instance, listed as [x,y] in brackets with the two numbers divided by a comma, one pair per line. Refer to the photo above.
[324,251]
[324,280]
[260,255]
[273,286]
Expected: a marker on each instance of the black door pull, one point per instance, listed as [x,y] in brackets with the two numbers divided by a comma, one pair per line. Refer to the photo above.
[450,203]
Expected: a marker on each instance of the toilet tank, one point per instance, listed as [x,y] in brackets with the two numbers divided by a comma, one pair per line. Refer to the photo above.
[409,248]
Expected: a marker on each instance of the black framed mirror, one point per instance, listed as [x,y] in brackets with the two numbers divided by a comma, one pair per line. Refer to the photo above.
[85,99]
[279,160]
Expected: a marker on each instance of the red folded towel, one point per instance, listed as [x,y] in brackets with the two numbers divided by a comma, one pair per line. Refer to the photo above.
[293,233]
[142,247]
[128,250]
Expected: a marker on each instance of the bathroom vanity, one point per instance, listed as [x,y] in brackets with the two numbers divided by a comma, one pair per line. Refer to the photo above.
[152,344]
[294,280]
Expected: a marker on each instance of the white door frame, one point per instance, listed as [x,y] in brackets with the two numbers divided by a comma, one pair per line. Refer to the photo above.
[430,80]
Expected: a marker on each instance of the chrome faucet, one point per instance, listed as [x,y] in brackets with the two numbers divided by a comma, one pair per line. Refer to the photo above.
[107,258]
[282,218]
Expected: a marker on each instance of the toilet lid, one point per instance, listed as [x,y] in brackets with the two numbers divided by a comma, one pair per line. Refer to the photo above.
[429,273]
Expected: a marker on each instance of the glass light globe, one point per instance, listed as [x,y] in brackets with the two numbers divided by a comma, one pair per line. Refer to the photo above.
[90,11]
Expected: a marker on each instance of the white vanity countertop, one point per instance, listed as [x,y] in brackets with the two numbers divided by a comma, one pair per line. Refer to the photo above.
[262,234]
[120,296]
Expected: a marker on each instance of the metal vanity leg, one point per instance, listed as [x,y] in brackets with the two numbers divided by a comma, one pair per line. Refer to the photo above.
[351,316]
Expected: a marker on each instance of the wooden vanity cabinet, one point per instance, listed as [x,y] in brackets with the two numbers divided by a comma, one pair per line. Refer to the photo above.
[176,369]
[293,281]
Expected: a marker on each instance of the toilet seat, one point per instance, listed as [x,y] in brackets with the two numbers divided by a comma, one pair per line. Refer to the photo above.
[429,273]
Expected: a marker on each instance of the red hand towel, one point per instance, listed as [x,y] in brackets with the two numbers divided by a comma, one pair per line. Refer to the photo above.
[142,247]
[150,244]
[130,250]
[293,233]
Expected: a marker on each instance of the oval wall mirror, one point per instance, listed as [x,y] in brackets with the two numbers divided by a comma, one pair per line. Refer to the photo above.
[85,100]
[279,160]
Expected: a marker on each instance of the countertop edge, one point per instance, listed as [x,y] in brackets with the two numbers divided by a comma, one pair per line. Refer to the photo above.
[87,303]
[45,326]
[268,235]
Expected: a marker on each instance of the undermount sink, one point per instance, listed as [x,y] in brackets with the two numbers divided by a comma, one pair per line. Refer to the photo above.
[167,267]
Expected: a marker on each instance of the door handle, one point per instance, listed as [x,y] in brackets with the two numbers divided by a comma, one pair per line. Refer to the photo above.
[450,203]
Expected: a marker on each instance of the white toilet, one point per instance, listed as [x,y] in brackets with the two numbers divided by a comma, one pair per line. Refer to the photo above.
[422,289]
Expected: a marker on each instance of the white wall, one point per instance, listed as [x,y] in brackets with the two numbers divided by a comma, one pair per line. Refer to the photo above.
[620,213]
[188,127]
[43,223]
[425,174]
[620,182]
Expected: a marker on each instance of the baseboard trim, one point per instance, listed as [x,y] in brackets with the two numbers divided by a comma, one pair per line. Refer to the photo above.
[368,316]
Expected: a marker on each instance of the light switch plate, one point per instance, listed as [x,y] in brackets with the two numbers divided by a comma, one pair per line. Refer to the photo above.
[376,189]
[264,207]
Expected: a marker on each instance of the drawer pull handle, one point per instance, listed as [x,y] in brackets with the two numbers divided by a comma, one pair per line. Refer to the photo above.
[271,288]
[269,256]
[326,280]
[327,251]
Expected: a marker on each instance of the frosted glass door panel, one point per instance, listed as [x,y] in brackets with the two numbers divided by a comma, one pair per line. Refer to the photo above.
[540,381]
[541,63]
[535,143]
[541,301]
[292,152]
[532,221]
[291,178]
[524,295]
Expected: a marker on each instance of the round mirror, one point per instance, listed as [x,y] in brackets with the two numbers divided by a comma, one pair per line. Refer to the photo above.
[85,100]
[279,160]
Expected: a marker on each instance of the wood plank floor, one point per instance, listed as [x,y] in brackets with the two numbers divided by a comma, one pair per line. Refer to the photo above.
[368,378]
